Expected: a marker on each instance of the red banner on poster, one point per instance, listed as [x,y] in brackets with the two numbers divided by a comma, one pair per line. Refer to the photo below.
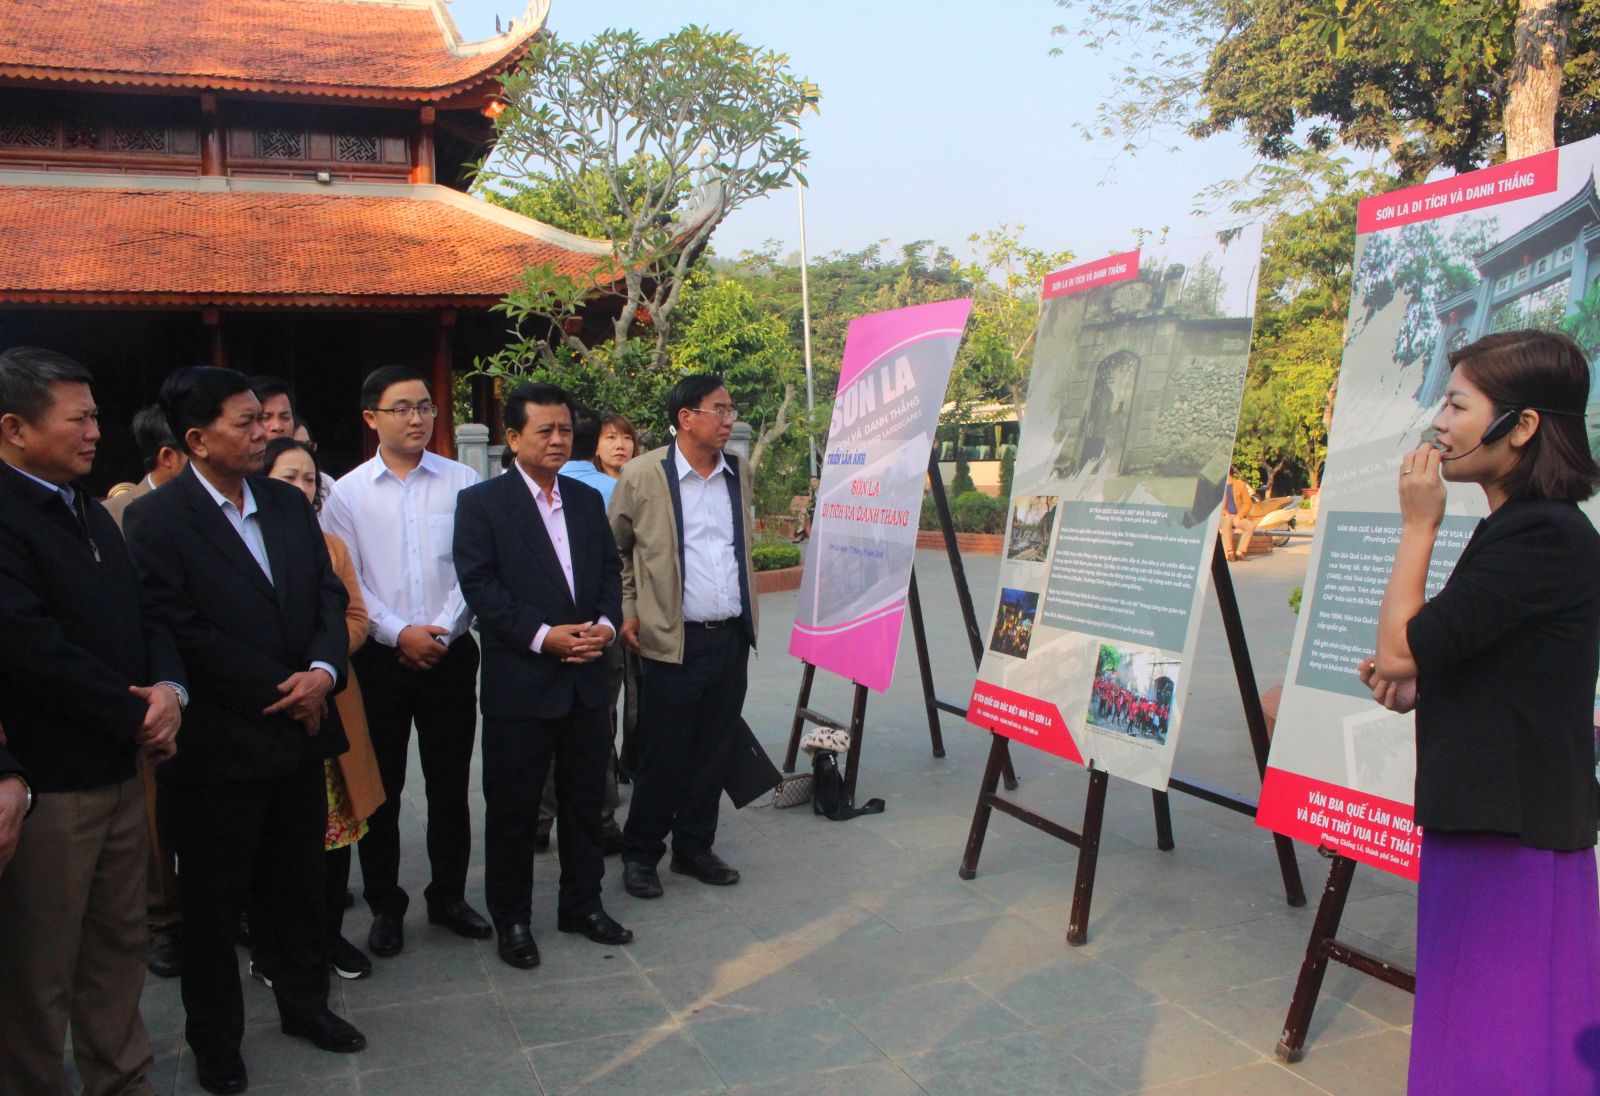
[1364,827]
[1477,189]
[1108,271]
[1023,718]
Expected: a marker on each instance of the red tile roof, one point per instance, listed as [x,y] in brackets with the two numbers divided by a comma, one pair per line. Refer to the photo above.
[193,243]
[406,49]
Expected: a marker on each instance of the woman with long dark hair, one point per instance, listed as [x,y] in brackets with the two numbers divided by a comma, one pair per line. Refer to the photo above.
[1500,667]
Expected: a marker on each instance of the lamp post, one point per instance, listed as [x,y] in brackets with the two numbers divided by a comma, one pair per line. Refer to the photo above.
[805,332]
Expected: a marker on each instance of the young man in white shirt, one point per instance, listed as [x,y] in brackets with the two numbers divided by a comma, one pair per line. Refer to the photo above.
[396,512]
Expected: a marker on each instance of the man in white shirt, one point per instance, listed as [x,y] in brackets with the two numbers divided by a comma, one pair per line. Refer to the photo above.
[688,608]
[396,513]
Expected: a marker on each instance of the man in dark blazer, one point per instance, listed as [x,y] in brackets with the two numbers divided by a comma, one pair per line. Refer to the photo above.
[238,568]
[89,678]
[539,568]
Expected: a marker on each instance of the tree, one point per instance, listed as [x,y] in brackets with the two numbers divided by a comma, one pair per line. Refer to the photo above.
[622,129]
[1005,281]
[1457,85]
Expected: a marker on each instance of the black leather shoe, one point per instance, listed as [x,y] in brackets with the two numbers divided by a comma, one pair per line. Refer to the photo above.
[518,948]
[164,957]
[597,926]
[327,1031]
[541,842]
[611,844]
[387,936]
[640,879]
[707,867]
[221,1073]
[460,919]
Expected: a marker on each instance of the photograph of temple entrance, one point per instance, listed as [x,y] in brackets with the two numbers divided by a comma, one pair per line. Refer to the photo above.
[1133,692]
[1032,517]
[1143,378]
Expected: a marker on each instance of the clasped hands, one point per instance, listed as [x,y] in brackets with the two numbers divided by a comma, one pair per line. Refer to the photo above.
[577,642]
[305,698]
[1397,696]
[158,734]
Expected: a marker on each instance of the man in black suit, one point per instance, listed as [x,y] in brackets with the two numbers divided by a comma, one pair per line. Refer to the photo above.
[539,568]
[88,678]
[239,570]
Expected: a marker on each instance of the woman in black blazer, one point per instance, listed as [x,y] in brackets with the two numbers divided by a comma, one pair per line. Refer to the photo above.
[1500,668]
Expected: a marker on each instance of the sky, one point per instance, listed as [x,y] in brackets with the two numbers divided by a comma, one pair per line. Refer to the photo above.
[938,120]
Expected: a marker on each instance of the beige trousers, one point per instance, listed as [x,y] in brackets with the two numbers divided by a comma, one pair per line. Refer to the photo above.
[72,945]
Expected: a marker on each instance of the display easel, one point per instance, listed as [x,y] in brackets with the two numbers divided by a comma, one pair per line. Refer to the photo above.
[1087,838]
[804,713]
[1323,947]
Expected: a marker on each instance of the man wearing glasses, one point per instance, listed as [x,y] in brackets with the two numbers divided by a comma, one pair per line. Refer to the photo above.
[681,517]
[396,513]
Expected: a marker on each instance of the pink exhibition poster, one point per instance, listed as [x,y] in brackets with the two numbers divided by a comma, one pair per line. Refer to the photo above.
[864,531]
[1437,266]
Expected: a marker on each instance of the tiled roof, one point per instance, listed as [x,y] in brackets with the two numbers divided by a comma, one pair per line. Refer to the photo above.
[360,48]
[221,242]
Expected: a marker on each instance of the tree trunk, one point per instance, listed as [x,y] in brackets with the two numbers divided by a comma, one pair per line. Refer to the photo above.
[1534,89]
[780,423]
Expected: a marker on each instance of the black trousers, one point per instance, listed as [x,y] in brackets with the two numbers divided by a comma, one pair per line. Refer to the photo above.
[443,703]
[255,842]
[686,718]
[608,809]
[516,755]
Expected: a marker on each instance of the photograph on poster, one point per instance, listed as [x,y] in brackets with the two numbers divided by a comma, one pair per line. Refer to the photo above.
[1031,519]
[1013,622]
[1133,692]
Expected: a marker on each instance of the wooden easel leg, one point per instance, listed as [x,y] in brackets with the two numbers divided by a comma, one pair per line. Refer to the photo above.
[980,815]
[1291,1048]
[1163,808]
[1008,772]
[1094,816]
[924,666]
[858,727]
[795,729]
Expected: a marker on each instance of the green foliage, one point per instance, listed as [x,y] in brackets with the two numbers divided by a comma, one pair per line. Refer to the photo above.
[961,483]
[1294,600]
[930,514]
[649,146]
[774,557]
[1008,471]
[976,512]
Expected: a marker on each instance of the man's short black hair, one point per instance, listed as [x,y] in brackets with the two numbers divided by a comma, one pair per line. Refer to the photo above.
[689,392]
[585,431]
[151,434]
[265,386]
[385,377]
[28,376]
[193,397]
[545,395]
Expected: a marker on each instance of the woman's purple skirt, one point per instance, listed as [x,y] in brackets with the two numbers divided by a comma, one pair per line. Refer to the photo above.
[1508,969]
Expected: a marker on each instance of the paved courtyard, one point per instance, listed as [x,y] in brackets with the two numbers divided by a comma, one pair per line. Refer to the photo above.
[853,960]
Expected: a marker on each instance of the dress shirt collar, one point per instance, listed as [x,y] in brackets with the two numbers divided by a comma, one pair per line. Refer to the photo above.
[552,500]
[63,492]
[685,469]
[223,500]
[428,464]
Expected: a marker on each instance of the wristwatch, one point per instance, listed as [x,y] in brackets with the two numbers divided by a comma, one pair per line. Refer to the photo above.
[180,691]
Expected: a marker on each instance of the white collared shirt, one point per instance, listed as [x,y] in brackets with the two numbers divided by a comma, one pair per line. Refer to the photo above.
[63,491]
[710,564]
[399,532]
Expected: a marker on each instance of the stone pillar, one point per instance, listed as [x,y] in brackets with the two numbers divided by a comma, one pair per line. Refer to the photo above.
[739,443]
[472,448]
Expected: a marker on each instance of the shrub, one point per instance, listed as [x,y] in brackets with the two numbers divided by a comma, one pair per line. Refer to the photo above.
[930,515]
[1294,600]
[976,512]
[773,557]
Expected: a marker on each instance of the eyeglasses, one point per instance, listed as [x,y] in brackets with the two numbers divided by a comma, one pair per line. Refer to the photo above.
[403,411]
[723,411]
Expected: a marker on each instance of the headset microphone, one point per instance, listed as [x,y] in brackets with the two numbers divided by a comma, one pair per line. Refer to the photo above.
[1498,429]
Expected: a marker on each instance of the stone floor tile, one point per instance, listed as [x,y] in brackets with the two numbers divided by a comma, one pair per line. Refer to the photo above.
[418,974]
[1027,1064]
[930,1015]
[920,904]
[1260,1079]
[452,1027]
[875,1079]
[506,1072]
[768,1046]
[1060,989]
[562,1012]
[1254,1014]
[1373,1066]
[563,957]
[694,941]
[759,982]
[1151,1046]
[663,1061]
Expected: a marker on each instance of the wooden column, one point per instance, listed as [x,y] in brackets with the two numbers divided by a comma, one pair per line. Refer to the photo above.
[214,347]
[213,152]
[422,147]
[444,439]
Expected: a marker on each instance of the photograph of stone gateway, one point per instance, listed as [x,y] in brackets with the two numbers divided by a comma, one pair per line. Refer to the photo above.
[1147,381]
